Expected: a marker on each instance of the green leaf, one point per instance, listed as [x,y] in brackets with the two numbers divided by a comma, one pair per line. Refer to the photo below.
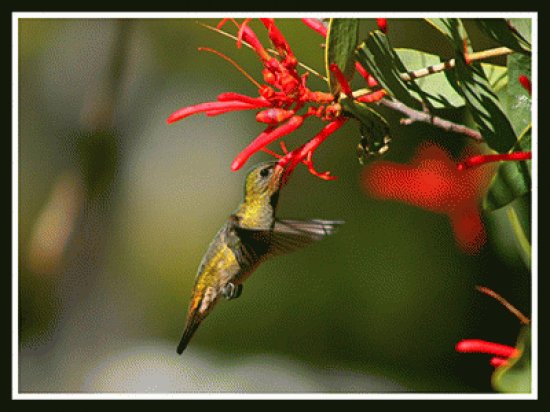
[512,180]
[443,25]
[484,106]
[381,61]
[342,39]
[374,128]
[496,75]
[522,27]
[451,28]
[500,31]
[518,100]
[368,117]
[481,100]
[520,221]
[515,377]
[454,30]
[435,87]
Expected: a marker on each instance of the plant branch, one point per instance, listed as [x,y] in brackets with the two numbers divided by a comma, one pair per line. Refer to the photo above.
[522,318]
[449,64]
[418,116]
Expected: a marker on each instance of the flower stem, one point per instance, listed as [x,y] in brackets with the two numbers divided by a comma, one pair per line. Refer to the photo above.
[522,318]
[234,63]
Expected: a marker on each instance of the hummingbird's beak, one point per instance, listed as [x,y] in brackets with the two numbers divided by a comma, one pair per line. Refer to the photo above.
[277,175]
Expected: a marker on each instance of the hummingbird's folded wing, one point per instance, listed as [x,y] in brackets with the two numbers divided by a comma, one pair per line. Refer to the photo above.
[289,235]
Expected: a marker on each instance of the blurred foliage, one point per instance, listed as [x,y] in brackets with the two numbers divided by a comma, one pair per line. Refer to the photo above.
[516,376]
[388,296]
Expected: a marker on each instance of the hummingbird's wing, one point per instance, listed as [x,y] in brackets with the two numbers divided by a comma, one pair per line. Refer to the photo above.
[290,235]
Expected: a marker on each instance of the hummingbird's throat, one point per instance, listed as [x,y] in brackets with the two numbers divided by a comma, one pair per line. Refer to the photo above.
[257,213]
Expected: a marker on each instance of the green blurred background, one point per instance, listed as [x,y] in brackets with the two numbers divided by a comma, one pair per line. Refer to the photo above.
[116,209]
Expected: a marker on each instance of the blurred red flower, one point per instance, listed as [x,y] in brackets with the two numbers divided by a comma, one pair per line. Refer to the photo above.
[433,182]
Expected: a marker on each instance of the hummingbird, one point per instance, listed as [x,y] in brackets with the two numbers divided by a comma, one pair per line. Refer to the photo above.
[250,235]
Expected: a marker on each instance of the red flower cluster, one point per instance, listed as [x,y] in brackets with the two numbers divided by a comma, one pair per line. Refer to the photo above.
[281,98]
[284,101]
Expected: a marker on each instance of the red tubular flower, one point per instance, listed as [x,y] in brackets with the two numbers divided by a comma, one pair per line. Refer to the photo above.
[277,37]
[371,81]
[222,22]
[305,152]
[265,139]
[346,88]
[382,25]
[496,361]
[231,96]
[483,346]
[502,352]
[274,115]
[248,35]
[525,82]
[484,159]
[320,97]
[372,97]
[242,28]
[362,71]
[316,25]
[210,107]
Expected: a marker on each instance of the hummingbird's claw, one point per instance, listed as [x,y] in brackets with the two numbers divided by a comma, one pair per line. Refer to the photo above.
[232,291]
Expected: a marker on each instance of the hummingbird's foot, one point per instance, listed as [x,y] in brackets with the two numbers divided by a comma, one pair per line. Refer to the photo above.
[232,291]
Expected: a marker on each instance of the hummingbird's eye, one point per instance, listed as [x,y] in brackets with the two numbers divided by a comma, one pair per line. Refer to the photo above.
[264,172]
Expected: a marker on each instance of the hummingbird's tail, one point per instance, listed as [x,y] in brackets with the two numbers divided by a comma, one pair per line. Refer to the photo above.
[193,323]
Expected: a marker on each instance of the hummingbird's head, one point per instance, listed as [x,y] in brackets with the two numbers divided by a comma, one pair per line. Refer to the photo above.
[263,181]
[261,195]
